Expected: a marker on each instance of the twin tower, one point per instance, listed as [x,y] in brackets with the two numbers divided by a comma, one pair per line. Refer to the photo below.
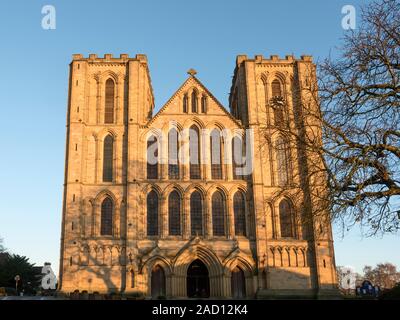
[194,200]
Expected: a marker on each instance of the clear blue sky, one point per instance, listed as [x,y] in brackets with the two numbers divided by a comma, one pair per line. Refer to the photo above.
[176,36]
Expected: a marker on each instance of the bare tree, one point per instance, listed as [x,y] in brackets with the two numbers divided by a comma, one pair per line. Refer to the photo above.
[348,125]
[384,275]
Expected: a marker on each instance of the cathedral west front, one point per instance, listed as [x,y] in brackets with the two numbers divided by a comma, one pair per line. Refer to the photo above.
[195,200]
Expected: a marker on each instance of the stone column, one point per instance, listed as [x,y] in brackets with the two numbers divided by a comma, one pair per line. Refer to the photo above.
[248,222]
[117,154]
[99,158]
[92,218]
[186,217]
[164,217]
[230,218]
[206,154]
[208,218]
[228,158]
[117,222]
[96,220]
[120,99]
[184,153]
[277,221]
[226,285]
[102,101]
[163,155]
[98,101]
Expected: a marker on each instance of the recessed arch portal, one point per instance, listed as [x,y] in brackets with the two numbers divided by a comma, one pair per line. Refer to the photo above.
[197,280]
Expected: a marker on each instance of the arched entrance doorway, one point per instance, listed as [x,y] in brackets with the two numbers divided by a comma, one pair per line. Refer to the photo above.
[197,281]
[157,282]
[238,283]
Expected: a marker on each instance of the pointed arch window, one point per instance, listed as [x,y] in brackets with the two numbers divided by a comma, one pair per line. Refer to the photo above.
[173,161]
[107,208]
[185,103]
[237,157]
[203,104]
[282,160]
[276,88]
[152,157]
[109,101]
[152,213]
[196,213]
[216,154]
[174,213]
[194,152]
[194,102]
[239,209]
[286,219]
[218,213]
[108,158]
[278,103]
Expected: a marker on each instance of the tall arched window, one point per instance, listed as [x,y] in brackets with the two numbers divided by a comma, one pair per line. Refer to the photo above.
[282,160]
[109,102]
[194,101]
[152,213]
[276,88]
[107,208]
[194,152]
[278,103]
[239,209]
[152,158]
[237,157]
[157,282]
[216,154]
[185,103]
[173,161]
[203,104]
[174,213]
[196,213]
[218,213]
[286,218]
[108,155]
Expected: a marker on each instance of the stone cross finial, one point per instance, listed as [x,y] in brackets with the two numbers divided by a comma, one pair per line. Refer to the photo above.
[192,72]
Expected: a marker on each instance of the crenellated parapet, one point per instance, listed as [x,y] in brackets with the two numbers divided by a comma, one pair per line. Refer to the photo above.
[272,59]
[108,57]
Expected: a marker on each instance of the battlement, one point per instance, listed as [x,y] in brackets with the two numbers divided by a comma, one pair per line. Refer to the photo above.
[108,57]
[272,59]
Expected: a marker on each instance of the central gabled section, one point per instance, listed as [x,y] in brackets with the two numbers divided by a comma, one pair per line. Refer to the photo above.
[192,98]
[190,138]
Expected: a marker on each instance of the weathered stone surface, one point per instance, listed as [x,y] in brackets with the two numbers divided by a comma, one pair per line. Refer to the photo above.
[123,261]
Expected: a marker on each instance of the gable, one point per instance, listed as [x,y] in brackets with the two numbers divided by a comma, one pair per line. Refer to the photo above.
[174,106]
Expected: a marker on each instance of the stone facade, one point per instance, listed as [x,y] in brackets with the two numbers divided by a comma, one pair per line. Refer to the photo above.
[120,253]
